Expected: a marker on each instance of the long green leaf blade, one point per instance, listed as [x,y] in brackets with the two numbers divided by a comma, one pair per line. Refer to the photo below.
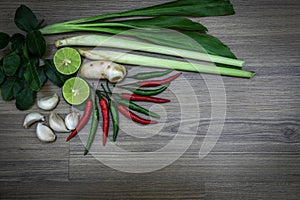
[195,8]
[174,22]
[183,40]
[211,44]
[194,41]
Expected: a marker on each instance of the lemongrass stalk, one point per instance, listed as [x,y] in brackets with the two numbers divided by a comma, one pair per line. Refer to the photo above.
[115,42]
[132,59]
[98,27]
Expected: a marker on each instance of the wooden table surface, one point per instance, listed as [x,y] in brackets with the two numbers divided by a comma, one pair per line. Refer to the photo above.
[257,154]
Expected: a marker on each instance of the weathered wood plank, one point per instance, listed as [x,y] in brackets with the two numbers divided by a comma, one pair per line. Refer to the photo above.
[255,157]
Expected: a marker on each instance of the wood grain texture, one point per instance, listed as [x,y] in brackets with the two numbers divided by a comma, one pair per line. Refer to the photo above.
[257,156]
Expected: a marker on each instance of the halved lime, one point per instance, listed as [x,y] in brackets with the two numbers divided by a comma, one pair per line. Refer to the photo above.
[67,60]
[75,91]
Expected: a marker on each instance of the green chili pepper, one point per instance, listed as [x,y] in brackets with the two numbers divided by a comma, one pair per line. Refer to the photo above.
[95,121]
[147,75]
[115,119]
[136,107]
[147,92]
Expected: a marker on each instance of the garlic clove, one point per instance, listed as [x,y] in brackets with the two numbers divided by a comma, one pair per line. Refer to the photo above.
[44,133]
[48,102]
[31,118]
[71,120]
[57,123]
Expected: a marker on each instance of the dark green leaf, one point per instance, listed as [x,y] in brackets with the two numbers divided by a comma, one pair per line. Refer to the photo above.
[25,54]
[4,40]
[25,19]
[211,44]
[17,42]
[40,24]
[2,75]
[193,41]
[21,70]
[166,22]
[11,63]
[163,37]
[42,75]
[194,8]
[7,88]
[25,99]
[31,75]
[19,85]
[53,75]
[36,43]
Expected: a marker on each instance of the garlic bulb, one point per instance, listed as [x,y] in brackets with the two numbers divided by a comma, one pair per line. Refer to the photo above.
[48,102]
[71,120]
[44,133]
[57,123]
[31,118]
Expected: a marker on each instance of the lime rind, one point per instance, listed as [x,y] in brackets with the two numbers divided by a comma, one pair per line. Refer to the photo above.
[67,60]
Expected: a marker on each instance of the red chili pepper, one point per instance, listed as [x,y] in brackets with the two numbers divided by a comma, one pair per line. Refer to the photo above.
[154,83]
[84,119]
[137,97]
[127,113]
[105,117]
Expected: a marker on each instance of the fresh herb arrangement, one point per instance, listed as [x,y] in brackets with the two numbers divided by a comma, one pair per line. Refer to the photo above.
[21,75]
[21,71]
[24,69]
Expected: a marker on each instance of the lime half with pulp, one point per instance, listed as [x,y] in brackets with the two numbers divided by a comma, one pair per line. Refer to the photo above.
[75,91]
[67,60]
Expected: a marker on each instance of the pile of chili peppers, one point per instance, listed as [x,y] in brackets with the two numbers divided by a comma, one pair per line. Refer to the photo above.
[114,103]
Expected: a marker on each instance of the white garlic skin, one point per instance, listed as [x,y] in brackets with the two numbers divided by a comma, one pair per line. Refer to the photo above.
[31,118]
[44,133]
[57,123]
[48,102]
[71,120]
